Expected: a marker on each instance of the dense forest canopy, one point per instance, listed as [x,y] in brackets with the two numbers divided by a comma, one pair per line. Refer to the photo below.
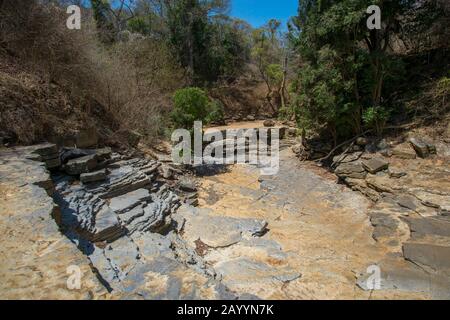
[347,73]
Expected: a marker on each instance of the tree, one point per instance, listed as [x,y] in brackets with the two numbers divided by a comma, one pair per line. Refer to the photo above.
[269,57]
[339,29]
[102,9]
[206,42]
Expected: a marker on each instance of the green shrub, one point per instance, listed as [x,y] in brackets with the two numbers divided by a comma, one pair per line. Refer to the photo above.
[192,104]
[139,25]
[216,112]
[376,118]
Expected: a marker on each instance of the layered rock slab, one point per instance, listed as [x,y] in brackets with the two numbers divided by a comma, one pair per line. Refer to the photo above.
[35,255]
[237,250]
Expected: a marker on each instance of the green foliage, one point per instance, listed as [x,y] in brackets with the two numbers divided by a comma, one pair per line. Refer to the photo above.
[192,104]
[345,67]
[443,87]
[139,25]
[274,74]
[324,100]
[375,118]
[216,112]
[209,46]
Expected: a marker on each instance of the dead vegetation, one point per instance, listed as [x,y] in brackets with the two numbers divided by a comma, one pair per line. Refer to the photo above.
[54,80]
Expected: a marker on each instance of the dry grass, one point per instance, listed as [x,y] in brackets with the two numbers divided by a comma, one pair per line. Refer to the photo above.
[54,80]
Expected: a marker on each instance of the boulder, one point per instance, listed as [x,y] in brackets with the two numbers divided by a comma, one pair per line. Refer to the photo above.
[353,170]
[81,165]
[93,176]
[404,152]
[269,123]
[420,147]
[188,185]
[53,163]
[375,165]
[45,149]
[348,157]
[103,153]
[250,118]
[361,141]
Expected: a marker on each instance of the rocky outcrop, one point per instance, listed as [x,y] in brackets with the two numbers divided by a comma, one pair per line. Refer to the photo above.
[422,148]
[81,165]
[95,176]
[374,165]
[404,152]
[409,217]
[269,123]
[236,249]
[354,170]
[36,256]
[121,216]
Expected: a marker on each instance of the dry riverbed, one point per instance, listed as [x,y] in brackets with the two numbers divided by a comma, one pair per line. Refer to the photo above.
[324,227]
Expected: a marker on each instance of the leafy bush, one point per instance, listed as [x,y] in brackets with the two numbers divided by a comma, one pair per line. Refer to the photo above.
[275,74]
[216,112]
[192,104]
[139,25]
[376,118]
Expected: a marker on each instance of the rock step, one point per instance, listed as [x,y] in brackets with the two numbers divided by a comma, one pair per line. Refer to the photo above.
[129,200]
[428,255]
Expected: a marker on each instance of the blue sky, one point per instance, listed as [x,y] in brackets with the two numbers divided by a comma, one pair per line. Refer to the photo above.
[258,12]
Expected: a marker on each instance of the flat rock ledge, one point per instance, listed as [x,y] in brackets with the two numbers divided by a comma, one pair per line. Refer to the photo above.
[410,187]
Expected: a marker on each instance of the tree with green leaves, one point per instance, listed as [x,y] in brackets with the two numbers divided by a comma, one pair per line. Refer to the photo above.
[332,38]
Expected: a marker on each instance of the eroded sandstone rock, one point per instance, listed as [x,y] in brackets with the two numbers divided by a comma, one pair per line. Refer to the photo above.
[35,255]
[81,165]
[354,170]
[375,165]
[404,152]
[95,176]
